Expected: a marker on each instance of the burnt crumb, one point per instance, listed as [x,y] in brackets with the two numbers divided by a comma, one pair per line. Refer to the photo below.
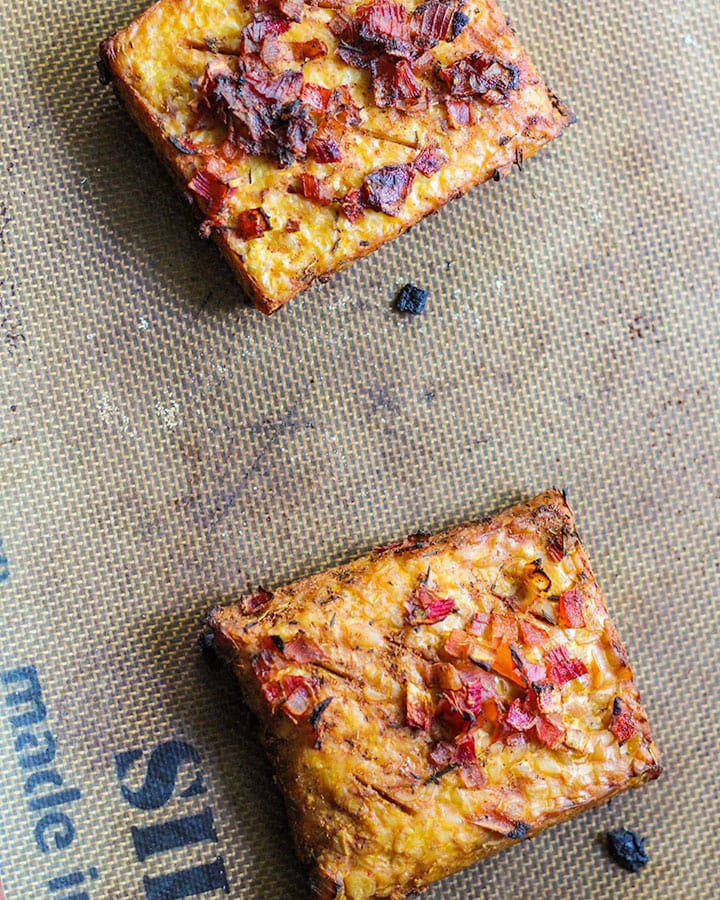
[104,76]
[627,849]
[278,641]
[459,21]
[520,831]
[318,710]
[206,642]
[411,299]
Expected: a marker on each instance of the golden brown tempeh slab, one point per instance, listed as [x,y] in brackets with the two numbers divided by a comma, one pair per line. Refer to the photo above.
[307,135]
[439,699]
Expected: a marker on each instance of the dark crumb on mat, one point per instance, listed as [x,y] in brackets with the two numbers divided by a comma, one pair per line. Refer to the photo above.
[411,299]
[627,849]
[206,642]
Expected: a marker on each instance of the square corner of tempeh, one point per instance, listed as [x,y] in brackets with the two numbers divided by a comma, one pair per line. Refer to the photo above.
[439,699]
[308,134]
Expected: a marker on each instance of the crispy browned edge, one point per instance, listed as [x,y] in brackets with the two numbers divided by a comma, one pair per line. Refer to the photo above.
[151,125]
[554,503]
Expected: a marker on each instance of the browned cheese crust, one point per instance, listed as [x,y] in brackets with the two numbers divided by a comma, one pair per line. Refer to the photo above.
[440,699]
[307,135]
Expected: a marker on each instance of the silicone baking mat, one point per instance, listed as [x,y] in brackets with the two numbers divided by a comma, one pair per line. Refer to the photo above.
[163,446]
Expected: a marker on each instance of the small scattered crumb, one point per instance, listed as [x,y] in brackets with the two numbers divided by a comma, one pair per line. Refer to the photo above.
[627,849]
[411,299]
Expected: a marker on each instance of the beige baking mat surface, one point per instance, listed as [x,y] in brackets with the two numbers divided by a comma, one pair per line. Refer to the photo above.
[163,446]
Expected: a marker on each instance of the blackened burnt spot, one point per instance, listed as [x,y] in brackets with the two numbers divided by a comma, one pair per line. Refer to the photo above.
[627,849]
[459,21]
[520,831]
[411,299]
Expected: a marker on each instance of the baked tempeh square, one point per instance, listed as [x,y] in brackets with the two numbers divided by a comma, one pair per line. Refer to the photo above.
[439,699]
[308,134]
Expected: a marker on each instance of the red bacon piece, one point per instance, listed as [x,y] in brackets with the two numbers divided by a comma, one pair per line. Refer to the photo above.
[480,75]
[459,112]
[394,83]
[548,732]
[622,723]
[293,9]
[425,607]
[561,668]
[314,96]
[302,649]
[383,21]
[571,608]
[311,49]
[519,716]
[386,189]
[300,697]
[503,627]
[418,707]
[430,23]
[478,624]
[255,602]
[352,207]
[531,634]
[252,223]
[429,161]
[316,189]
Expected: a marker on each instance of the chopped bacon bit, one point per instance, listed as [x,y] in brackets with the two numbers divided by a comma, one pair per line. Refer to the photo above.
[459,112]
[305,50]
[293,9]
[267,661]
[441,754]
[383,21]
[343,25]
[255,602]
[430,23]
[301,696]
[430,160]
[464,750]
[571,608]
[548,732]
[325,147]
[212,190]
[352,210]
[418,707]
[473,775]
[545,696]
[531,634]
[561,668]
[314,96]
[252,223]
[457,644]
[386,189]
[482,76]
[477,695]
[447,677]
[425,607]
[291,226]
[316,189]
[518,716]
[557,546]
[302,649]
[273,693]
[394,84]
[479,624]
[503,627]
[622,723]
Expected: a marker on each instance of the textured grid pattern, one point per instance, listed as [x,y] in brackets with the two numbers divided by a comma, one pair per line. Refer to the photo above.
[163,446]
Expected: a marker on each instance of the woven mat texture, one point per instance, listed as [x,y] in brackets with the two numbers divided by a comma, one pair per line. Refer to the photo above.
[163,446]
